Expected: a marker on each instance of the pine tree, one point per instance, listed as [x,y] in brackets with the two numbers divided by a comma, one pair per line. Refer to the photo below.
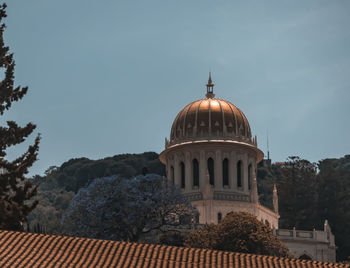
[15,188]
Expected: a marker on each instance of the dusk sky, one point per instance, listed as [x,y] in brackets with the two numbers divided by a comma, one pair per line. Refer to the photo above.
[108,77]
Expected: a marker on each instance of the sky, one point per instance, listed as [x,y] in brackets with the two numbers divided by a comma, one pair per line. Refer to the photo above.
[108,77]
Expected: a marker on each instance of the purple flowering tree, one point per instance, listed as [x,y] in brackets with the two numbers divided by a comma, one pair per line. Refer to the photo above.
[124,209]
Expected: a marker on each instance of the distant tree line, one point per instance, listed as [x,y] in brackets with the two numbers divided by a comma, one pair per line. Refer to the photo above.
[59,184]
[308,192]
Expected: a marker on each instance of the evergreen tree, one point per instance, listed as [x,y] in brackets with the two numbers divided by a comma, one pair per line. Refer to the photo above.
[297,186]
[15,188]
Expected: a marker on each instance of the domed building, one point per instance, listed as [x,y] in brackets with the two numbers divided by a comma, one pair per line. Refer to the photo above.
[212,157]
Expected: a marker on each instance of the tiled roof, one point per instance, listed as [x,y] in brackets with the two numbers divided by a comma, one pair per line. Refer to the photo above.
[37,250]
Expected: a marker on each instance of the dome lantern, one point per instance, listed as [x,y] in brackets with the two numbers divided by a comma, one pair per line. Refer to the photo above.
[210,88]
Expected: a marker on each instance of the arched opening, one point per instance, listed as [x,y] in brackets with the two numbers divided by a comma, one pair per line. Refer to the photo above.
[219,217]
[211,170]
[239,174]
[267,223]
[172,175]
[225,172]
[196,217]
[250,174]
[305,257]
[195,172]
[182,170]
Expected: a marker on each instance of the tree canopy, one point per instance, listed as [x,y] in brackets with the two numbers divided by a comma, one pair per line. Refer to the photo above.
[15,188]
[59,184]
[80,172]
[325,185]
[124,209]
[309,194]
[238,232]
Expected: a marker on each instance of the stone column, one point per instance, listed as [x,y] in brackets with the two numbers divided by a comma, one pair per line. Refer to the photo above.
[188,172]
[245,173]
[202,170]
[177,172]
[218,170]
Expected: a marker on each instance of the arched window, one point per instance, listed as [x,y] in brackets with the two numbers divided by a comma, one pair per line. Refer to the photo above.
[250,174]
[196,217]
[211,170]
[305,257]
[172,175]
[195,171]
[219,217]
[239,174]
[267,223]
[182,169]
[225,172]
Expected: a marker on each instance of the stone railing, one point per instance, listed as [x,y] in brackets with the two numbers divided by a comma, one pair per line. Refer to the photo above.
[231,197]
[316,235]
[225,196]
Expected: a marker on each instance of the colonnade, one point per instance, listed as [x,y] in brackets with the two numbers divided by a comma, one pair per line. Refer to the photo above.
[228,171]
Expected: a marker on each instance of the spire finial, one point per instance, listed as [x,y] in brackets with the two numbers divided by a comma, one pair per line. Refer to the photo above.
[210,87]
[209,80]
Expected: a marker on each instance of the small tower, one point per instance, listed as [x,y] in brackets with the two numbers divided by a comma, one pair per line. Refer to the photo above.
[210,88]
[275,199]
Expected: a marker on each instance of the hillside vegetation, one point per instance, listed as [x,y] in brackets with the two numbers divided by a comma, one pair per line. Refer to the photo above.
[308,192]
[60,184]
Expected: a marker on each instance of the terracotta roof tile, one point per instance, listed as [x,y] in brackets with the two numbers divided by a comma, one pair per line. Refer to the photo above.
[38,250]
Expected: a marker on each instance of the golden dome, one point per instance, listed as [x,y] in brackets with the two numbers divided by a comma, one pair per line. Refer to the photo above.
[210,122]
[210,118]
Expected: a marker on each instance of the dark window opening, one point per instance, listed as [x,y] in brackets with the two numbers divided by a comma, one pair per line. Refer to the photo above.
[305,257]
[239,174]
[267,223]
[250,169]
[195,172]
[197,217]
[225,172]
[182,167]
[219,217]
[211,170]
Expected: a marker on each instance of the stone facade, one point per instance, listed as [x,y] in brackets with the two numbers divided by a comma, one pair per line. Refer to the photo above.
[215,200]
[316,245]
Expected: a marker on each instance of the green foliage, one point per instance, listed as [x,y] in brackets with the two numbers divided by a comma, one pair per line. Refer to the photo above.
[307,197]
[297,187]
[77,173]
[53,204]
[56,189]
[173,238]
[238,232]
[125,209]
[15,188]
[334,200]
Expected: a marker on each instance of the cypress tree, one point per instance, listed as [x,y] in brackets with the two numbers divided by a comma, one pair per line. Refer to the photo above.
[15,188]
